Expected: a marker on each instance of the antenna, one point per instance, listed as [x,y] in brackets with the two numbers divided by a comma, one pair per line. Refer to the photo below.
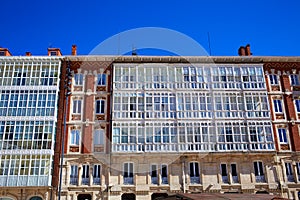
[208,38]
[119,39]
[133,53]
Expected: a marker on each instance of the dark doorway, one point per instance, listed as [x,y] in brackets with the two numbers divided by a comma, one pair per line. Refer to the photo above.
[128,196]
[84,197]
[262,192]
[157,196]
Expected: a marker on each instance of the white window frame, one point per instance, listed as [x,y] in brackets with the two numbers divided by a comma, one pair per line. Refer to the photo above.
[74,171]
[78,79]
[278,107]
[297,105]
[289,169]
[260,171]
[194,172]
[273,79]
[85,171]
[282,135]
[77,106]
[225,178]
[100,104]
[76,140]
[101,78]
[294,79]
[128,171]
[236,171]
[99,136]
[298,170]
[97,171]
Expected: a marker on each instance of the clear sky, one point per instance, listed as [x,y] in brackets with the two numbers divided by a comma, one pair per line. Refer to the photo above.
[271,27]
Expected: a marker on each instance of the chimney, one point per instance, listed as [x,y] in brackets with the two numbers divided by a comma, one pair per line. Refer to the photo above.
[28,53]
[74,50]
[242,51]
[4,52]
[54,52]
[248,52]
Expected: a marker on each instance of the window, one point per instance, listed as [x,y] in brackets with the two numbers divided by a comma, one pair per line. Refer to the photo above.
[78,79]
[85,174]
[224,173]
[164,174]
[258,171]
[2,53]
[289,172]
[154,173]
[298,170]
[297,103]
[101,79]
[234,173]
[53,53]
[128,173]
[273,79]
[99,137]
[154,179]
[282,135]
[85,171]
[194,172]
[277,105]
[75,137]
[74,174]
[76,106]
[100,104]
[294,79]
[97,174]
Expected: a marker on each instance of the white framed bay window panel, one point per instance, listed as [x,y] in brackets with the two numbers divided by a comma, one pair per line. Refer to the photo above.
[28,114]
[160,76]
[163,107]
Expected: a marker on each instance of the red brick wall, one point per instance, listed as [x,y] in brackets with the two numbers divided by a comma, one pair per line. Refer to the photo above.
[88,114]
[288,102]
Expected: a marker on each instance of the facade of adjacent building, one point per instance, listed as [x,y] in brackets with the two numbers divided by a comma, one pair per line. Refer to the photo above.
[147,127]
[87,147]
[180,125]
[28,115]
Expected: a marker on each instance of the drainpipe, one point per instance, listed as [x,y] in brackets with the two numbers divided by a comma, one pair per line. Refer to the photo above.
[183,175]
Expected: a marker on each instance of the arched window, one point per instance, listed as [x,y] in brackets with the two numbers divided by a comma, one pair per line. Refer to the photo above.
[6,198]
[36,198]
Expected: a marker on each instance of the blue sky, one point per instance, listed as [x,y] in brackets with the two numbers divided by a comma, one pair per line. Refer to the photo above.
[270,27]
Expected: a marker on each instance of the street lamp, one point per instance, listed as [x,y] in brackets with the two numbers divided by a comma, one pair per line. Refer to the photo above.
[67,90]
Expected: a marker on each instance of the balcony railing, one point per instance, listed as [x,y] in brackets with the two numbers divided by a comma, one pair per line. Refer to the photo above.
[85,181]
[191,147]
[290,178]
[96,181]
[225,179]
[195,180]
[235,179]
[164,180]
[74,180]
[260,179]
[154,180]
[204,147]
[128,180]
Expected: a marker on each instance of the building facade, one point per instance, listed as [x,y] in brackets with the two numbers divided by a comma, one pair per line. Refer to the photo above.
[28,115]
[283,90]
[147,127]
[87,148]
[180,125]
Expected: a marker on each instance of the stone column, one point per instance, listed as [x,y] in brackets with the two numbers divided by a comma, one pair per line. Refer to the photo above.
[91,176]
[79,174]
[68,171]
[285,179]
